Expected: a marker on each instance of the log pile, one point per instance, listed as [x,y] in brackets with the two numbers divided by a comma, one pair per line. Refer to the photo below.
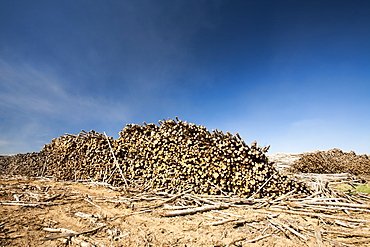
[80,157]
[333,161]
[85,156]
[183,156]
[29,164]
[174,155]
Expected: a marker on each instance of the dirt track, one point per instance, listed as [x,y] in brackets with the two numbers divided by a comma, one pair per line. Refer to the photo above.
[95,215]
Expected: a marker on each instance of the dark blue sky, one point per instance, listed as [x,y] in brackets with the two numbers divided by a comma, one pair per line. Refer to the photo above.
[291,74]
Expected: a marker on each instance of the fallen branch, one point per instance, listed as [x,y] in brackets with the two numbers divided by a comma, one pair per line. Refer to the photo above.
[259,238]
[86,199]
[321,208]
[72,234]
[336,243]
[339,204]
[28,204]
[284,196]
[283,225]
[229,214]
[348,234]
[195,210]
[167,207]
[15,237]
[58,230]
[318,236]
[169,199]
[245,221]
[341,223]
[221,222]
[201,199]
[319,215]
[53,197]
[279,227]
[251,240]
[260,188]
[116,161]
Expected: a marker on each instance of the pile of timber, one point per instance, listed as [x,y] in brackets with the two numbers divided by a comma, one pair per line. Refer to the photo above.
[28,164]
[333,161]
[174,155]
[182,156]
[80,157]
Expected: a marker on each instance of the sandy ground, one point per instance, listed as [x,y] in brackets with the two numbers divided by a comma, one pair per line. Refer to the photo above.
[40,212]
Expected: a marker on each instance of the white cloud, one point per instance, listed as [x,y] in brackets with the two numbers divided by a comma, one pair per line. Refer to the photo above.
[28,90]
[35,107]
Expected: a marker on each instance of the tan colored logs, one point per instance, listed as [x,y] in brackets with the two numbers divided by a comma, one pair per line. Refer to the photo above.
[173,155]
[333,161]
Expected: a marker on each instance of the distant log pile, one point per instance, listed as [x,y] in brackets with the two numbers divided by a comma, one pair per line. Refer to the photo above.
[174,155]
[29,164]
[333,161]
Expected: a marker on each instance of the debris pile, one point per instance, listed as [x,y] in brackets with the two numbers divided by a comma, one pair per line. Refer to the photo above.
[183,156]
[333,161]
[80,157]
[28,164]
[174,155]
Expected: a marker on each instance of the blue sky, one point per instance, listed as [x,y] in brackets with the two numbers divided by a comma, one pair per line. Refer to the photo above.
[291,74]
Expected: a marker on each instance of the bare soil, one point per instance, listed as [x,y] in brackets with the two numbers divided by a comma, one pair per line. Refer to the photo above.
[42,212]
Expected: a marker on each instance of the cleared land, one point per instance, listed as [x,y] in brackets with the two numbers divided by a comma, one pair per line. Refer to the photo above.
[178,184]
[42,212]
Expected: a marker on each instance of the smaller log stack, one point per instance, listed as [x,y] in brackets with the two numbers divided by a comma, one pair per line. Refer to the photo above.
[29,164]
[80,157]
[333,161]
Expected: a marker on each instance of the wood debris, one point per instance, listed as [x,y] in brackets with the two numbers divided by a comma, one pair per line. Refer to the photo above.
[175,155]
[292,218]
[178,171]
[333,161]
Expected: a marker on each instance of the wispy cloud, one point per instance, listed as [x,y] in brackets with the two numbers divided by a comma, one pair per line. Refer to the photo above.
[3,143]
[29,90]
[33,102]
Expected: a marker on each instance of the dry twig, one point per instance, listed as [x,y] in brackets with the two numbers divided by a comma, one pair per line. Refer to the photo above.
[195,210]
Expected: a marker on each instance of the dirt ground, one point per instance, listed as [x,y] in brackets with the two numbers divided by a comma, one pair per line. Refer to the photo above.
[42,212]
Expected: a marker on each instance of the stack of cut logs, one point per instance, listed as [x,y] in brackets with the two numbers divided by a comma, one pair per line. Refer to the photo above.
[182,156]
[79,157]
[29,164]
[333,161]
[174,155]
